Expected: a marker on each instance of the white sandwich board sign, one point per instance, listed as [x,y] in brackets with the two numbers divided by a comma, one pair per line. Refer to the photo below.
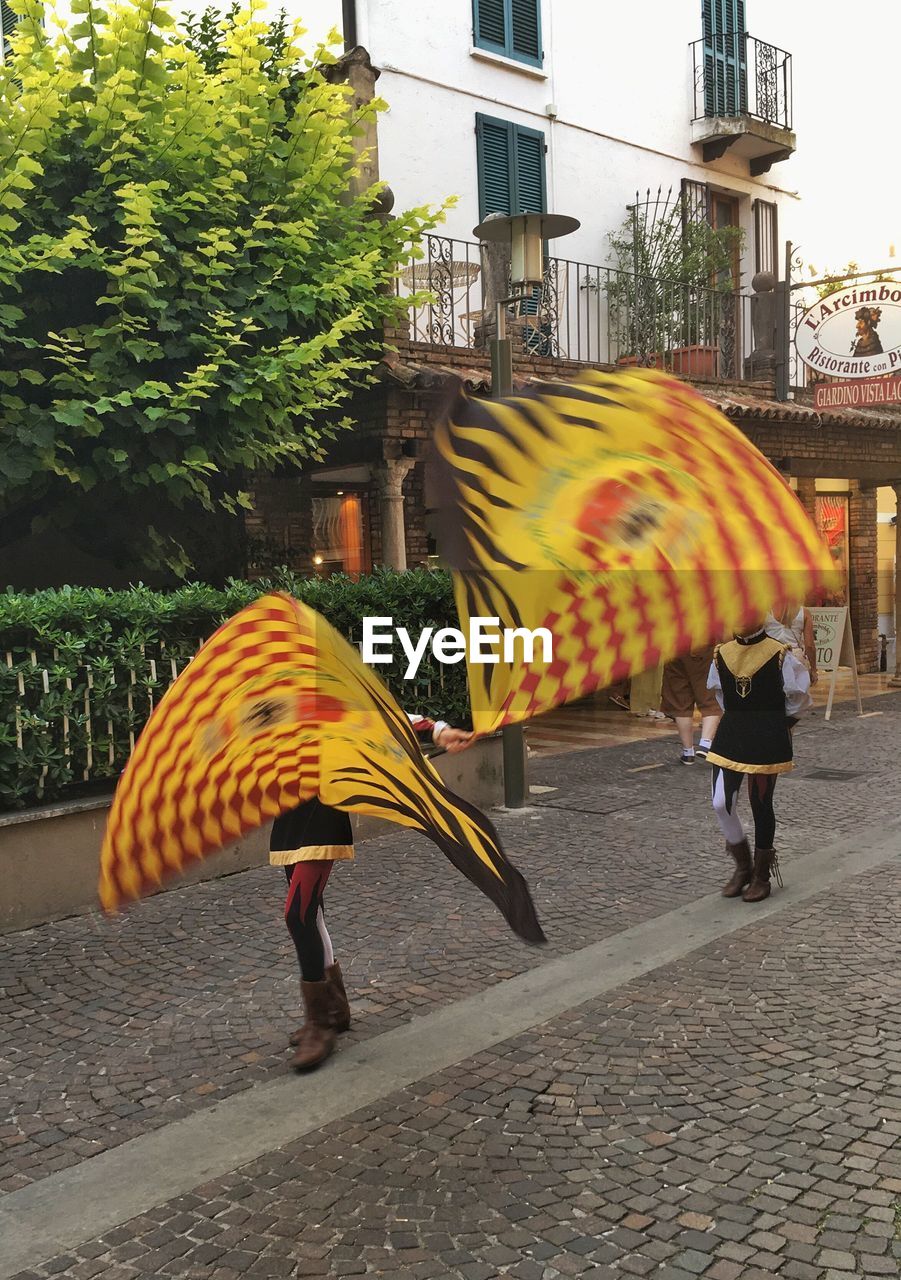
[835,648]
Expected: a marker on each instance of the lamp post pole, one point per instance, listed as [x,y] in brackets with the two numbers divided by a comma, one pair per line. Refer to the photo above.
[512,737]
[524,235]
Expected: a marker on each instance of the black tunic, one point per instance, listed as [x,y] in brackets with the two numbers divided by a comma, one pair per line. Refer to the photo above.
[753,735]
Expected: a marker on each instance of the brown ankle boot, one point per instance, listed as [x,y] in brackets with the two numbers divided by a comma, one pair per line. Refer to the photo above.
[316,1038]
[765,864]
[741,852]
[339,1008]
[340,1005]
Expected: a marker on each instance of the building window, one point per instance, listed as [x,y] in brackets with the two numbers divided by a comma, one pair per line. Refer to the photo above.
[8,20]
[511,167]
[766,237]
[509,27]
[695,202]
[339,542]
[725,58]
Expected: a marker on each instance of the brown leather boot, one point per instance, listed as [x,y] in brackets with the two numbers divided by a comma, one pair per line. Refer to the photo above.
[741,852]
[340,1004]
[316,1038]
[339,1008]
[765,864]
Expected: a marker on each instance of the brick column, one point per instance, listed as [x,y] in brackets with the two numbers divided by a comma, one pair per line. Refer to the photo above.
[862,560]
[807,495]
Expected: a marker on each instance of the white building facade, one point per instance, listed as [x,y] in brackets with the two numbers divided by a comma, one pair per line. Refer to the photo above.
[557,105]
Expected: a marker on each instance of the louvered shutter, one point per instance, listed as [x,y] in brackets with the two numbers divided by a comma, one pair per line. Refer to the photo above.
[525,30]
[8,20]
[529,188]
[490,24]
[725,60]
[494,142]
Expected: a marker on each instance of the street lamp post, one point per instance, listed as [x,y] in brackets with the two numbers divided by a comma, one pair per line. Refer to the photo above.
[524,234]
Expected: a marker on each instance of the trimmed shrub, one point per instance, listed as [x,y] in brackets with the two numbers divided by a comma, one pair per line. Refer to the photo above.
[81,668]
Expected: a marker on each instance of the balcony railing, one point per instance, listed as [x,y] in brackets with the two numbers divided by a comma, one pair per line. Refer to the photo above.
[738,75]
[583,312]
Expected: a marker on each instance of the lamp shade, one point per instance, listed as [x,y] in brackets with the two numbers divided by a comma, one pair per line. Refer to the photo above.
[525,233]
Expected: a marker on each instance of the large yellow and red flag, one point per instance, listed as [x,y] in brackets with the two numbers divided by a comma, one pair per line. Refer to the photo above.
[274,709]
[624,516]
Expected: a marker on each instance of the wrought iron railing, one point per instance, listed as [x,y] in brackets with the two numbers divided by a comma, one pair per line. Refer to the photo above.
[738,75]
[449,272]
[584,312]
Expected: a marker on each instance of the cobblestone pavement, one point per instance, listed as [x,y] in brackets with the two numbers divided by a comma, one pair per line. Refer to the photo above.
[112,1028]
[693,1124]
[736,1115]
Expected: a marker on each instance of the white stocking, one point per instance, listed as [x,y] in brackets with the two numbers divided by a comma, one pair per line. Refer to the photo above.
[725,803]
[327,949]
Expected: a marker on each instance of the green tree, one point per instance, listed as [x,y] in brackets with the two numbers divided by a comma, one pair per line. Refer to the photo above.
[190,287]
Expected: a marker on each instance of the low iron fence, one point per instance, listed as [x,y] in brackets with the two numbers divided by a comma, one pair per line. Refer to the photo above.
[69,721]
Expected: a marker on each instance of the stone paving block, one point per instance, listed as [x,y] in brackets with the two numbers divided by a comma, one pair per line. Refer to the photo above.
[711,1118]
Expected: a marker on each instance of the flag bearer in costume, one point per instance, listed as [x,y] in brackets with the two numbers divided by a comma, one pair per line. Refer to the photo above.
[307,841]
[762,688]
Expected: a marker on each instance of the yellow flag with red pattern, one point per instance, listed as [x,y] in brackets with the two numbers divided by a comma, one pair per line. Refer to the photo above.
[274,709]
[619,520]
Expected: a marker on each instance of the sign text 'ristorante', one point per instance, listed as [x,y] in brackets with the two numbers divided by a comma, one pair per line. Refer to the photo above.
[855,333]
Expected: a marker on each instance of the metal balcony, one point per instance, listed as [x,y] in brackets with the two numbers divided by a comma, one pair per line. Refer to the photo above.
[742,99]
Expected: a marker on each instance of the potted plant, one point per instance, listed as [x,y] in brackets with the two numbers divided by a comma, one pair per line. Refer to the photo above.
[668,288]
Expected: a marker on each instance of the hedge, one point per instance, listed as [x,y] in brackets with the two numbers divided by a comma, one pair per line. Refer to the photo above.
[81,667]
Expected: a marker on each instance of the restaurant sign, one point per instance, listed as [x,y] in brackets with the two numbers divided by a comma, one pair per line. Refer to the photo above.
[855,333]
[866,393]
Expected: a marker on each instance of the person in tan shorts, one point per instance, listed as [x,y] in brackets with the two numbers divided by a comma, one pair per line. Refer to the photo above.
[684,688]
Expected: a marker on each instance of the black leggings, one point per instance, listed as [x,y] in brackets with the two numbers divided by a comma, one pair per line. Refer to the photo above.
[760,792]
[304,917]
[726,785]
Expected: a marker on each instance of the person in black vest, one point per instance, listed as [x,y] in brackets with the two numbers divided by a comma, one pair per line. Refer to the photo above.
[307,841]
[762,688]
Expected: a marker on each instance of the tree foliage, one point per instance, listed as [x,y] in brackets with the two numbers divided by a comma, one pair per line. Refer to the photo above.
[189,286]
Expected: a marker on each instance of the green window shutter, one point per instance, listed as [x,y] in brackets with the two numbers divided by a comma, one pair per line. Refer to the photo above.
[490,24]
[725,62]
[510,27]
[529,186]
[511,167]
[495,165]
[525,30]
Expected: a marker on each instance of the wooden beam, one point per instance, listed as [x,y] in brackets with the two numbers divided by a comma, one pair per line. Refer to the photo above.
[877,473]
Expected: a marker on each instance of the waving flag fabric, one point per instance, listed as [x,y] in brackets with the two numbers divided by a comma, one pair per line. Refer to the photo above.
[625,515]
[276,708]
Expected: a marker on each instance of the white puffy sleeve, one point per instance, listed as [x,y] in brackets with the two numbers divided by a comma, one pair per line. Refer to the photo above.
[796,683]
[422,725]
[713,682]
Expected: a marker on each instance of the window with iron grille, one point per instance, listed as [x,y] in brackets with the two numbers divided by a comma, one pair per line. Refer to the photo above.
[766,237]
[510,27]
[511,167]
[695,201]
[725,58]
